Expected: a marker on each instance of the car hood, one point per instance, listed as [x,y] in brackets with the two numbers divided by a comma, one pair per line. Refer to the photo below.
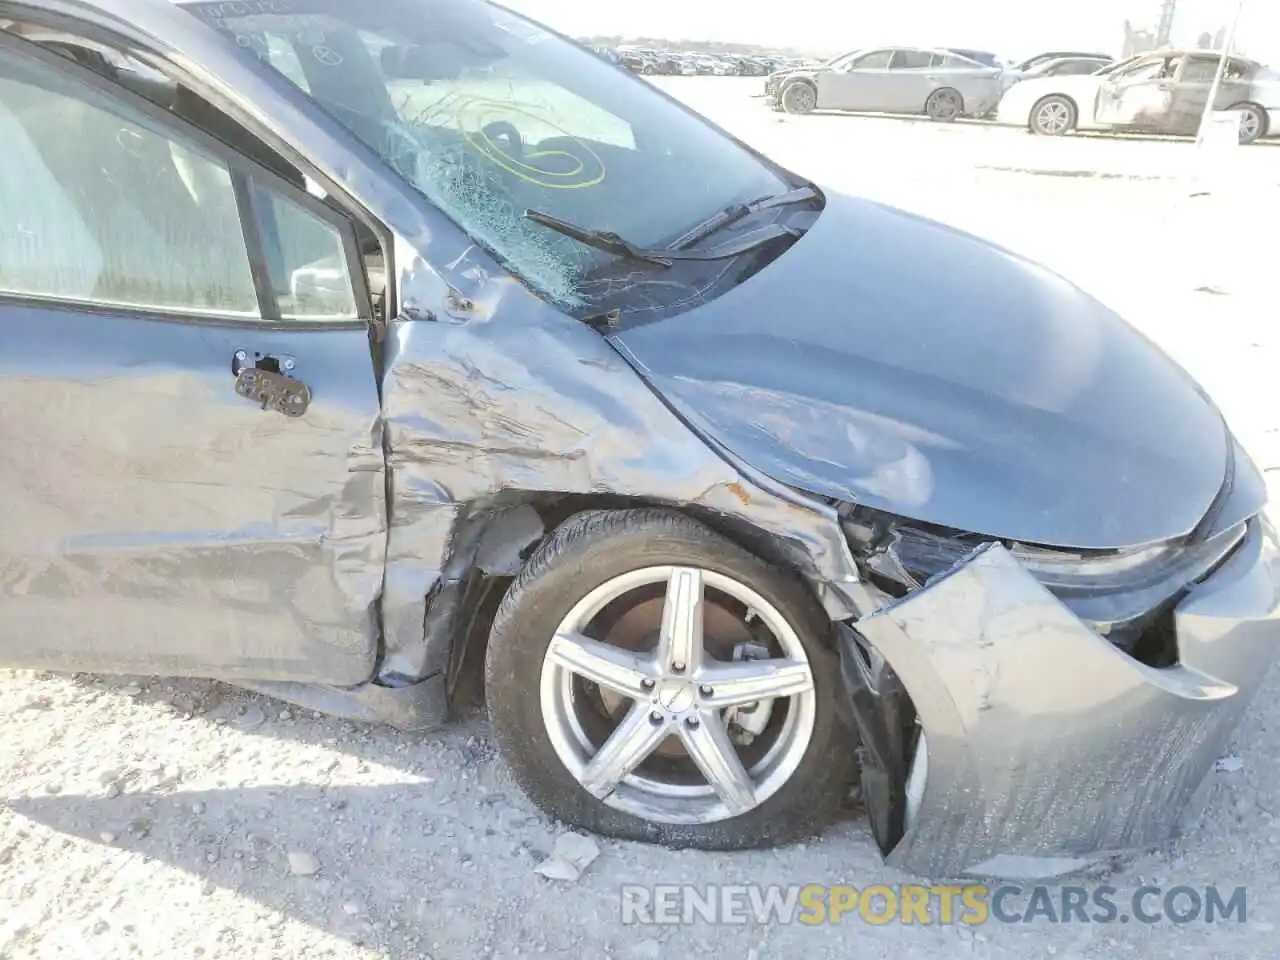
[892,361]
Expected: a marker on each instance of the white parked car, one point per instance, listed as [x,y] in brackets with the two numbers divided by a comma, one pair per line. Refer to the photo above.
[1162,92]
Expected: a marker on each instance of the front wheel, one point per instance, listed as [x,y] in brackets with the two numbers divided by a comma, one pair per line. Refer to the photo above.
[799,98]
[650,680]
[1053,116]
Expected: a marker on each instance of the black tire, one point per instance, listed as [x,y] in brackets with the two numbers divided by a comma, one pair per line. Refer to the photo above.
[590,549]
[944,105]
[1253,126]
[799,97]
[1053,116]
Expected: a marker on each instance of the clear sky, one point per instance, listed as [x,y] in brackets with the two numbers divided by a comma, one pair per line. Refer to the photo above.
[1007,27]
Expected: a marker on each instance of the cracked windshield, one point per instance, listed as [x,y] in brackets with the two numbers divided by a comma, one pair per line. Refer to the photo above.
[490,115]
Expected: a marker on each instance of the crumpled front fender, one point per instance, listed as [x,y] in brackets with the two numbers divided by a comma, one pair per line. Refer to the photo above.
[1046,748]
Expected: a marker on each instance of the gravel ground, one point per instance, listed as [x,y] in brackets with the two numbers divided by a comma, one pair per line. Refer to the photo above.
[188,819]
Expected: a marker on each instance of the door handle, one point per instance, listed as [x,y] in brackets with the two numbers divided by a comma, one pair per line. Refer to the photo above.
[264,383]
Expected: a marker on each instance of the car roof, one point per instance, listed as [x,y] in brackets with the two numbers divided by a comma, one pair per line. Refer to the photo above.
[1196,52]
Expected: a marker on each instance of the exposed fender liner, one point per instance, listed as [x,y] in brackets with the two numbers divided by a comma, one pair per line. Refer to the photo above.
[885,719]
[418,708]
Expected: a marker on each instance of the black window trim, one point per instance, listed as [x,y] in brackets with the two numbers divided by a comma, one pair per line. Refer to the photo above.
[245,172]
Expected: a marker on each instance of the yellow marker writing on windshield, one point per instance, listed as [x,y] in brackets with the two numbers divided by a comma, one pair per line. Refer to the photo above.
[584,169]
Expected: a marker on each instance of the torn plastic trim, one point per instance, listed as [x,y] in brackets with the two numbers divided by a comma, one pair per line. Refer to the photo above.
[1033,721]
[886,721]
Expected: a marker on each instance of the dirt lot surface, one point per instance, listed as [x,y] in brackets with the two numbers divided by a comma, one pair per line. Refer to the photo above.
[158,819]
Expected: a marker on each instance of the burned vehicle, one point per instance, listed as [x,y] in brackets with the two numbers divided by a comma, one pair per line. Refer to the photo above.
[349,347]
[1165,92]
[941,84]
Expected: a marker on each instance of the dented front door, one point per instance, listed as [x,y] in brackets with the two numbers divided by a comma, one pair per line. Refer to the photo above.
[191,468]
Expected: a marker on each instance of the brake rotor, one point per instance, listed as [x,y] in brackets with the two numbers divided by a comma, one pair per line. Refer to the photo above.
[637,627]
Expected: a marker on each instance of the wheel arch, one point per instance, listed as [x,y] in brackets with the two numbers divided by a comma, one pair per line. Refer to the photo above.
[947,88]
[458,619]
[1071,101]
[1263,111]
[790,82]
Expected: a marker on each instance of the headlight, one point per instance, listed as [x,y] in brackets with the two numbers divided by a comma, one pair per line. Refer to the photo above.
[1105,588]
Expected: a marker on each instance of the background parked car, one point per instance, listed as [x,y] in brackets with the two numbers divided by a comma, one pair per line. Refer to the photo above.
[1071,66]
[786,68]
[1164,92]
[633,61]
[607,53]
[938,83]
[984,57]
[1032,62]
[1059,67]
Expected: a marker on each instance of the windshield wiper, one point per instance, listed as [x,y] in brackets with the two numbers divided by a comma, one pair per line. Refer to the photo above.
[610,242]
[605,240]
[740,211]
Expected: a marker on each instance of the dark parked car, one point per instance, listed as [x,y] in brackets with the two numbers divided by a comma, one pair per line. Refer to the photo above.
[330,369]
[1032,62]
[635,62]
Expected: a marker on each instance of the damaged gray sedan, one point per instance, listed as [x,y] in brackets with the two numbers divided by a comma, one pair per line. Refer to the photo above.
[349,347]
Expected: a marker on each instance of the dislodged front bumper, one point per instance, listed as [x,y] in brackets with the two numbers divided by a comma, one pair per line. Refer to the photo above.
[1046,748]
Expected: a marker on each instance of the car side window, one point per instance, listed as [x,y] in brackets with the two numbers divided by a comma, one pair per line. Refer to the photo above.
[146,220]
[878,60]
[910,60]
[132,213]
[1236,70]
[1199,70]
[306,260]
[1146,70]
[1077,68]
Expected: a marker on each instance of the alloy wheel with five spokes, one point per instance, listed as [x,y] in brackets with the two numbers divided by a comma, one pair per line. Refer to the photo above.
[1053,117]
[676,690]
[647,678]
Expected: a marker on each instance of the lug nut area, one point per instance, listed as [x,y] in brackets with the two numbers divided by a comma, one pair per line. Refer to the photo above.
[674,699]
